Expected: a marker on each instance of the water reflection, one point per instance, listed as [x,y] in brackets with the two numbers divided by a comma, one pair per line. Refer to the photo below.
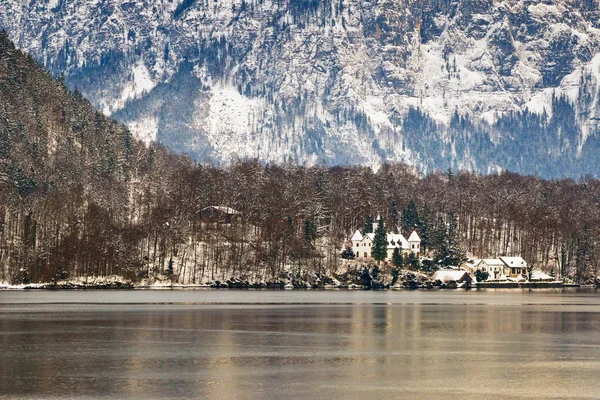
[304,351]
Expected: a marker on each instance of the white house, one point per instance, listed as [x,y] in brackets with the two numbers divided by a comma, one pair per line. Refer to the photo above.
[514,266]
[501,268]
[493,266]
[362,244]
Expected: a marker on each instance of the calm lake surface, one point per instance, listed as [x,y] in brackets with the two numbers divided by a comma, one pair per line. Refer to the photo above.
[511,344]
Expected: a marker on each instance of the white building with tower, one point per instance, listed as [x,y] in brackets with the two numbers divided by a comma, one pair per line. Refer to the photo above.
[363,244]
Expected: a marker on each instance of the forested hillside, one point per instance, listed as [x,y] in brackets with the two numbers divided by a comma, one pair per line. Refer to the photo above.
[80,197]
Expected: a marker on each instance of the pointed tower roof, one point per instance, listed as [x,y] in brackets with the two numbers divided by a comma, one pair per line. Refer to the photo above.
[414,237]
[357,236]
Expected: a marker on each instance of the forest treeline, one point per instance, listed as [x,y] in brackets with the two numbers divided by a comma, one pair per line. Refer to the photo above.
[79,196]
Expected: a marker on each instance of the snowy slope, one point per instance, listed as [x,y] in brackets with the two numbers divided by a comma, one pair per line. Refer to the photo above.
[323,81]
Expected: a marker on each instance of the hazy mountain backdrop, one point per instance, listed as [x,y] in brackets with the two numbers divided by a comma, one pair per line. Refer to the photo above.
[475,84]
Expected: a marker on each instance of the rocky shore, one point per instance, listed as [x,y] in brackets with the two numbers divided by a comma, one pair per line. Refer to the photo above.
[354,277]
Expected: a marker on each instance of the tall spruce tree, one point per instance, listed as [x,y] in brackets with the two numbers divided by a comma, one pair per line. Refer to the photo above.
[395,216]
[412,261]
[426,228]
[439,235]
[368,228]
[379,249]
[397,258]
[450,252]
[309,231]
[410,218]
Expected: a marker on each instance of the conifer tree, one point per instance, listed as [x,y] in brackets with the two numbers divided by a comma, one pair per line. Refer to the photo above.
[439,235]
[368,228]
[379,249]
[397,258]
[395,216]
[426,228]
[450,252]
[308,231]
[410,218]
[412,261]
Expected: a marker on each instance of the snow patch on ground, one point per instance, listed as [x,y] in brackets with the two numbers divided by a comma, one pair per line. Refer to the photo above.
[540,102]
[375,108]
[232,120]
[145,129]
[139,83]
[542,10]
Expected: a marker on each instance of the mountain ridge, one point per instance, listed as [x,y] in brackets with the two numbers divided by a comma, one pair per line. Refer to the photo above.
[437,84]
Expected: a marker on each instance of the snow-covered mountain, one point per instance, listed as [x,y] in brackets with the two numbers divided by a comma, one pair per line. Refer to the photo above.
[476,84]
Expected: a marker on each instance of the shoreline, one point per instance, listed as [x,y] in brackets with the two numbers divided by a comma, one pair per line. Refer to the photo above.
[281,287]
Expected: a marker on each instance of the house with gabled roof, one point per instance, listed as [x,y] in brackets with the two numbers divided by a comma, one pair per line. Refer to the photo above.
[363,244]
[493,266]
[219,214]
[501,268]
[514,266]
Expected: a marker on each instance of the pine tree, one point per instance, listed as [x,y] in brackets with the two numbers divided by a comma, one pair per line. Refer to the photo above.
[426,228]
[450,252]
[410,218]
[309,231]
[368,228]
[397,258]
[439,235]
[379,249]
[412,261]
[395,216]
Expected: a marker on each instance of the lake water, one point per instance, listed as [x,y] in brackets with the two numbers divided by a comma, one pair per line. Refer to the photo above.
[512,344]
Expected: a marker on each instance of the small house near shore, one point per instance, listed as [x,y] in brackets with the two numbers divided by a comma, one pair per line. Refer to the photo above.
[493,266]
[445,276]
[219,214]
[497,268]
[514,266]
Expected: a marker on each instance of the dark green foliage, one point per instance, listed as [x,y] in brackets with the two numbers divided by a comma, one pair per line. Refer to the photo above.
[368,228]
[348,254]
[410,218]
[481,276]
[309,231]
[170,267]
[395,216]
[365,278]
[439,234]
[412,262]
[426,228]
[397,258]
[395,275]
[450,252]
[379,249]
[375,272]
[428,266]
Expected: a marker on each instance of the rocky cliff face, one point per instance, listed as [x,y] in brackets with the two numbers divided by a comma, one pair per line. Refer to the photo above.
[477,84]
